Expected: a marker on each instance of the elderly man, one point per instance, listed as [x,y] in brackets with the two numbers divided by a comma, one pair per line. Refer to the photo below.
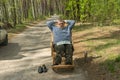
[62,41]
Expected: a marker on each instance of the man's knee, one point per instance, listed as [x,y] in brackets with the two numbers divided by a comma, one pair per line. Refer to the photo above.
[69,49]
[59,48]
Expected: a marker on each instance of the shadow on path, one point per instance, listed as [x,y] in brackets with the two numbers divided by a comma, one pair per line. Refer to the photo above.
[10,51]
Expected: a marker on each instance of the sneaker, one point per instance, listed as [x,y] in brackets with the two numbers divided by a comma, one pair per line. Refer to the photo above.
[40,69]
[44,68]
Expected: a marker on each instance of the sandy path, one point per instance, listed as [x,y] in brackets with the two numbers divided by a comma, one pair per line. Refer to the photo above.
[28,50]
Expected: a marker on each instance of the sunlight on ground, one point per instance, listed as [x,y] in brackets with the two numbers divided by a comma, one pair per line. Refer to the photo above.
[103,47]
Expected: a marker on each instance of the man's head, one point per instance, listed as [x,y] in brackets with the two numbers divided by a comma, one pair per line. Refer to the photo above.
[60,23]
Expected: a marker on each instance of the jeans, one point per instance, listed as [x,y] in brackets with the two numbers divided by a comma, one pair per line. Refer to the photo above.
[65,50]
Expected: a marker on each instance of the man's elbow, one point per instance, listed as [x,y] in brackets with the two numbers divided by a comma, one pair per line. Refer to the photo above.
[73,22]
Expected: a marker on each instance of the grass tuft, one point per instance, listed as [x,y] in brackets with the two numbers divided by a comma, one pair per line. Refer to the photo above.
[117,59]
[19,28]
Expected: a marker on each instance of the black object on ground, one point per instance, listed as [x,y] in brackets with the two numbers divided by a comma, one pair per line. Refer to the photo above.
[44,68]
[40,69]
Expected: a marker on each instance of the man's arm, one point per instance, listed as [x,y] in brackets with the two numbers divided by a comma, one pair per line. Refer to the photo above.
[50,24]
[70,23]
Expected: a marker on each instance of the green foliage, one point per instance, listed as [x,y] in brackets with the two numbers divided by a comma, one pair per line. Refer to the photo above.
[93,10]
[99,11]
[41,17]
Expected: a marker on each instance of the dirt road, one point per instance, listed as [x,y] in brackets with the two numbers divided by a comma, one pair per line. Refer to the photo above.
[28,50]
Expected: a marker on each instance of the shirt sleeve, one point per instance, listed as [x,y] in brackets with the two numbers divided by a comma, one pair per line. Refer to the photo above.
[70,23]
[50,24]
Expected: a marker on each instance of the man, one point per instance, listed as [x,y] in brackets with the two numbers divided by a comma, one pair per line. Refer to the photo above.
[62,41]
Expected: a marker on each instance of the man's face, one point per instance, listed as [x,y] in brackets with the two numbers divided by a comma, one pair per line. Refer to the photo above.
[61,23]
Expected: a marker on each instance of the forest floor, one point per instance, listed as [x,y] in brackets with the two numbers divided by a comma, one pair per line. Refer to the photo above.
[29,49]
[103,47]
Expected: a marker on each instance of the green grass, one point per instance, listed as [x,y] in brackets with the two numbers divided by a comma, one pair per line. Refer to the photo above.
[117,59]
[18,28]
[82,27]
[102,45]
[107,45]
[111,64]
